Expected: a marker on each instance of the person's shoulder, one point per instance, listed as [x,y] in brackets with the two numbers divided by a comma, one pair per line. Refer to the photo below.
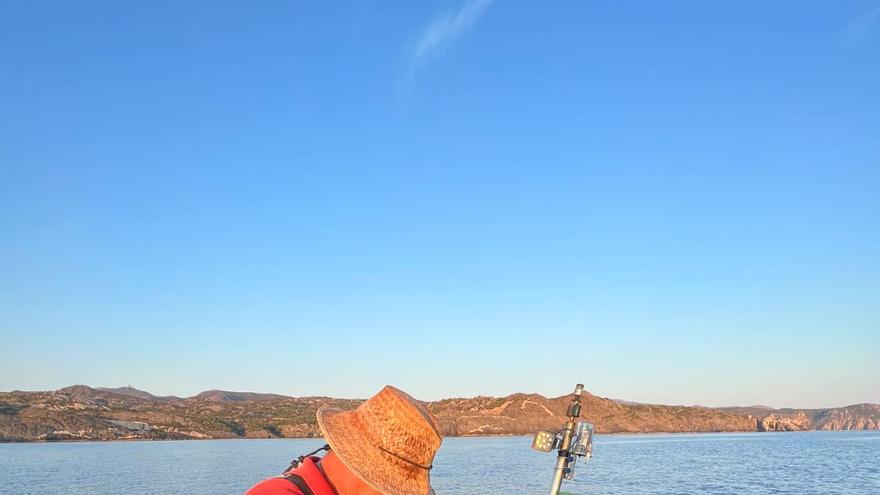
[274,486]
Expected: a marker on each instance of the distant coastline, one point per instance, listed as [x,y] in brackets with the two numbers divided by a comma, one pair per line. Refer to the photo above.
[82,413]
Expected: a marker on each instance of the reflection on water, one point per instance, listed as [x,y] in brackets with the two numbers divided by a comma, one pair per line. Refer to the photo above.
[754,463]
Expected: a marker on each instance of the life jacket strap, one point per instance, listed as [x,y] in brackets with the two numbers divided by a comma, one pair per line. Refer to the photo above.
[299,482]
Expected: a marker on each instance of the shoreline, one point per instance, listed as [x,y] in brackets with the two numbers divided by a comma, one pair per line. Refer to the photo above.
[614,434]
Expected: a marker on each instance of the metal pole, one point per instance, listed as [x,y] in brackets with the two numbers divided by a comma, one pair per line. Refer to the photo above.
[574,411]
[561,463]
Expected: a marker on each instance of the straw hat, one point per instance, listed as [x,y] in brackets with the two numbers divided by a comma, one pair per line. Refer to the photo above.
[389,441]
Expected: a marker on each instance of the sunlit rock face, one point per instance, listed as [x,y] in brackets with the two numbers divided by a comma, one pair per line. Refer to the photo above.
[857,417]
[799,422]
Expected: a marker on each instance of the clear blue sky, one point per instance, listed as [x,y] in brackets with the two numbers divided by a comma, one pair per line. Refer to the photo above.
[673,202]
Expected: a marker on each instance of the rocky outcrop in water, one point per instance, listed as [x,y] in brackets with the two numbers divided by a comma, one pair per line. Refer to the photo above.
[85,413]
[799,422]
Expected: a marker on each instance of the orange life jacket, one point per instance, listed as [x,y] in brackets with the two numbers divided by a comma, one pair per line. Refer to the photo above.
[305,479]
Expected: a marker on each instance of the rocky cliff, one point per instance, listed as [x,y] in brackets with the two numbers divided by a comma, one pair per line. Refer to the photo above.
[797,422]
[855,417]
[84,413]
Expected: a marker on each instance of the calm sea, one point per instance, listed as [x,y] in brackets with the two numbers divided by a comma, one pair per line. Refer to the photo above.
[796,463]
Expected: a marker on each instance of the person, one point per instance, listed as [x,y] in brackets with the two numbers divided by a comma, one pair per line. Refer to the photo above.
[384,447]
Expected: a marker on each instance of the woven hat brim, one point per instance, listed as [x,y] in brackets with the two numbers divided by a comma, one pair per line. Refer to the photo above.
[382,471]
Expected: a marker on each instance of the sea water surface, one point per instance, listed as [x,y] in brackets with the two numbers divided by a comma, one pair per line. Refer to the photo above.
[749,463]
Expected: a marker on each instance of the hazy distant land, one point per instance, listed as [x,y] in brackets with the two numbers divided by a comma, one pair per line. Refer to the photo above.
[84,413]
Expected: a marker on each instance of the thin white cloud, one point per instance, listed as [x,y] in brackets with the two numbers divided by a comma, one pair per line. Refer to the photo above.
[446,28]
[442,31]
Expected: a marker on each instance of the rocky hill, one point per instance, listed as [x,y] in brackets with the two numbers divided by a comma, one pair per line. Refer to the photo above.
[85,413]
